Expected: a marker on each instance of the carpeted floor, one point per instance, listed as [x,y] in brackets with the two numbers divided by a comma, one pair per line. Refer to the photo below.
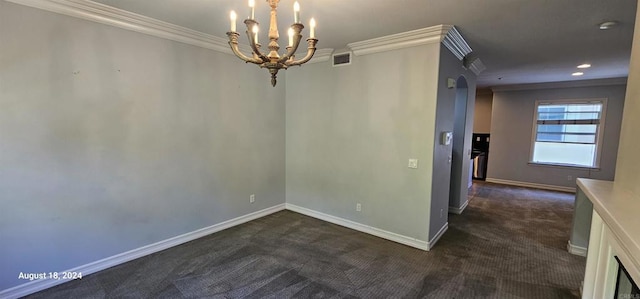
[510,242]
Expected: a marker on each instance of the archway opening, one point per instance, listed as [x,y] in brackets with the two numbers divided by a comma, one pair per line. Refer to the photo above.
[460,171]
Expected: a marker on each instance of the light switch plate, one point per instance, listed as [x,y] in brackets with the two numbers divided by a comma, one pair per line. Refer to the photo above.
[447,137]
[451,83]
[413,163]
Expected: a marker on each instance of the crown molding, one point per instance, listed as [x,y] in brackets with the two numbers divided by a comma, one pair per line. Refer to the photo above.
[447,34]
[321,55]
[474,64]
[454,41]
[104,14]
[562,84]
[413,38]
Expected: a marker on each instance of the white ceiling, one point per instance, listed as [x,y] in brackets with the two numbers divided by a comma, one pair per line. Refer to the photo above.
[519,41]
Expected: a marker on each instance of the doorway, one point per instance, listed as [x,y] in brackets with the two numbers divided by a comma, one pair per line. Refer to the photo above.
[460,157]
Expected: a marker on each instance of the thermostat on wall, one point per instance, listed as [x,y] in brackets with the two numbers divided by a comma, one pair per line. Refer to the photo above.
[446,138]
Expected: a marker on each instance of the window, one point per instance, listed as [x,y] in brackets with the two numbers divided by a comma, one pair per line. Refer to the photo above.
[568,133]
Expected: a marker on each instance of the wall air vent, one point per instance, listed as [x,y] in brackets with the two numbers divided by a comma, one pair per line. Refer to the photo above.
[341,59]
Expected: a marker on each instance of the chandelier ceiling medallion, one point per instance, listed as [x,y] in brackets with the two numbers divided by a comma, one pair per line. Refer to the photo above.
[273,61]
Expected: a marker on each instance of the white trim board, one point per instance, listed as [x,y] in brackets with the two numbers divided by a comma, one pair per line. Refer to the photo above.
[409,241]
[459,210]
[576,250]
[532,185]
[38,285]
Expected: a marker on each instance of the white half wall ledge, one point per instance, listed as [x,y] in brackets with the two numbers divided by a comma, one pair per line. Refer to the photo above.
[405,240]
[39,285]
[532,185]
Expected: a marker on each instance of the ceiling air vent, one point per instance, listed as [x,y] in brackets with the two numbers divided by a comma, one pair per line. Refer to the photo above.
[341,59]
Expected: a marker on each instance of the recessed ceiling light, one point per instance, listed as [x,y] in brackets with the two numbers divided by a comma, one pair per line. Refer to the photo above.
[607,25]
[577,74]
[584,66]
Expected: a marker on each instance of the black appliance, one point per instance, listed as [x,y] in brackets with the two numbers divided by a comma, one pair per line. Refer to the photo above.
[480,155]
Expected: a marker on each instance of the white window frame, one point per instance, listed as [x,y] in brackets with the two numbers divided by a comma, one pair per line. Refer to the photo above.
[599,133]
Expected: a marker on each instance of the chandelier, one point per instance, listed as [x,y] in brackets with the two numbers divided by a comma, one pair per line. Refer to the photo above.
[273,61]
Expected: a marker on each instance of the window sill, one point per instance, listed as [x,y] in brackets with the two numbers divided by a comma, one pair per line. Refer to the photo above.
[554,165]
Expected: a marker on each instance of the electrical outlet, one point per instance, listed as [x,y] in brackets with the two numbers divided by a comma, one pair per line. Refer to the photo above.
[358,207]
[441,210]
[569,178]
[252,198]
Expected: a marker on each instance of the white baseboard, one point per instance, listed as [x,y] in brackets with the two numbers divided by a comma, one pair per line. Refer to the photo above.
[576,250]
[532,185]
[439,234]
[459,210]
[39,285]
[409,241]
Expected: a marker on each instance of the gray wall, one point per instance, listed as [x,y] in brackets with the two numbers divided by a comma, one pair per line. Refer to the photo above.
[628,157]
[482,114]
[511,129]
[111,140]
[350,132]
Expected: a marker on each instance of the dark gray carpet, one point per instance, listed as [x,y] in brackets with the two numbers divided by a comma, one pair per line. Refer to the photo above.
[509,243]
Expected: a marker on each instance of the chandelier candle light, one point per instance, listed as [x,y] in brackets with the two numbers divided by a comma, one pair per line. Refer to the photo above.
[273,61]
